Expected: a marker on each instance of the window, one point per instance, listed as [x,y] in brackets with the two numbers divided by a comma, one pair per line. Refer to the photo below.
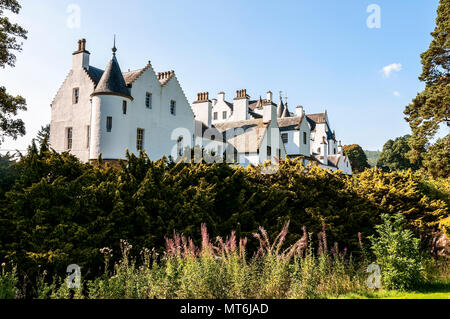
[108,123]
[140,139]
[334,151]
[88,135]
[304,138]
[173,107]
[224,115]
[148,100]
[279,153]
[124,107]
[215,115]
[180,146]
[76,95]
[69,138]
[285,137]
[269,151]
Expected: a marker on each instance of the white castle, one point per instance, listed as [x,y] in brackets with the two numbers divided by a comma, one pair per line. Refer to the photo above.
[105,112]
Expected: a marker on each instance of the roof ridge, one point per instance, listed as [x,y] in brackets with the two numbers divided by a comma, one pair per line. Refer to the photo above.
[139,73]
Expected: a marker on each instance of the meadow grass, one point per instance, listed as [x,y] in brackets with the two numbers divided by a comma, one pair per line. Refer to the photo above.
[221,269]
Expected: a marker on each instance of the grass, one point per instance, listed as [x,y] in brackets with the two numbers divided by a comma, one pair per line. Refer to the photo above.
[438,288]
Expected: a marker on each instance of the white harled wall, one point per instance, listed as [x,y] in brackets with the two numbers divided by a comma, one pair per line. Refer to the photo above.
[65,114]
[161,128]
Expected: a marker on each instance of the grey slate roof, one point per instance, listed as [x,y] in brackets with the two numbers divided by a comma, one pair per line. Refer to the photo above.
[95,74]
[290,123]
[249,141]
[112,81]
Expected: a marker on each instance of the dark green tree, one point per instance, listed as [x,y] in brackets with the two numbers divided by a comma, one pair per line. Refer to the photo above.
[43,135]
[430,108]
[437,159]
[10,35]
[393,157]
[357,157]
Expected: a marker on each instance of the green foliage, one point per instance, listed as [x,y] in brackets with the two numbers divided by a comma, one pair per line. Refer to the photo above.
[8,174]
[437,159]
[9,107]
[8,283]
[357,157]
[10,34]
[430,108]
[393,157]
[397,253]
[372,157]
[43,135]
[59,211]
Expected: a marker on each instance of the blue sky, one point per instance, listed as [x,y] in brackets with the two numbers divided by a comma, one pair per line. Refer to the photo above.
[321,53]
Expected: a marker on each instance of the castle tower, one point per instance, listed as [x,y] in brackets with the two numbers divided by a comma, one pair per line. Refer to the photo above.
[109,120]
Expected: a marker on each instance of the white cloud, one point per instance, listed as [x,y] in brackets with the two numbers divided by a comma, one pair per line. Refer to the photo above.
[387,70]
[396,93]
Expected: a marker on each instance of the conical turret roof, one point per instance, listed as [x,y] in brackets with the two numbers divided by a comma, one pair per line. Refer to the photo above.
[280,108]
[112,81]
[286,112]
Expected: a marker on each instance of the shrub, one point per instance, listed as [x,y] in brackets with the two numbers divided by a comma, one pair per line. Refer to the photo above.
[397,253]
[8,283]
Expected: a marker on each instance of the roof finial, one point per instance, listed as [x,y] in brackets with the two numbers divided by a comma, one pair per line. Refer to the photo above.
[114,49]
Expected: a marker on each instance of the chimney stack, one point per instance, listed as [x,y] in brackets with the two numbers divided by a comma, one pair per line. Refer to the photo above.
[340,149]
[269,96]
[80,58]
[299,110]
[269,112]
[202,97]
[240,105]
[203,108]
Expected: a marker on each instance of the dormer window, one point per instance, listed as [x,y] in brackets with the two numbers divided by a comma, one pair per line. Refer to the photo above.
[148,100]
[224,115]
[75,95]
[304,138]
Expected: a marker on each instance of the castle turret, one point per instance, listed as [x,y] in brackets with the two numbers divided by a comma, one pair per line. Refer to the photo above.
[109,113]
